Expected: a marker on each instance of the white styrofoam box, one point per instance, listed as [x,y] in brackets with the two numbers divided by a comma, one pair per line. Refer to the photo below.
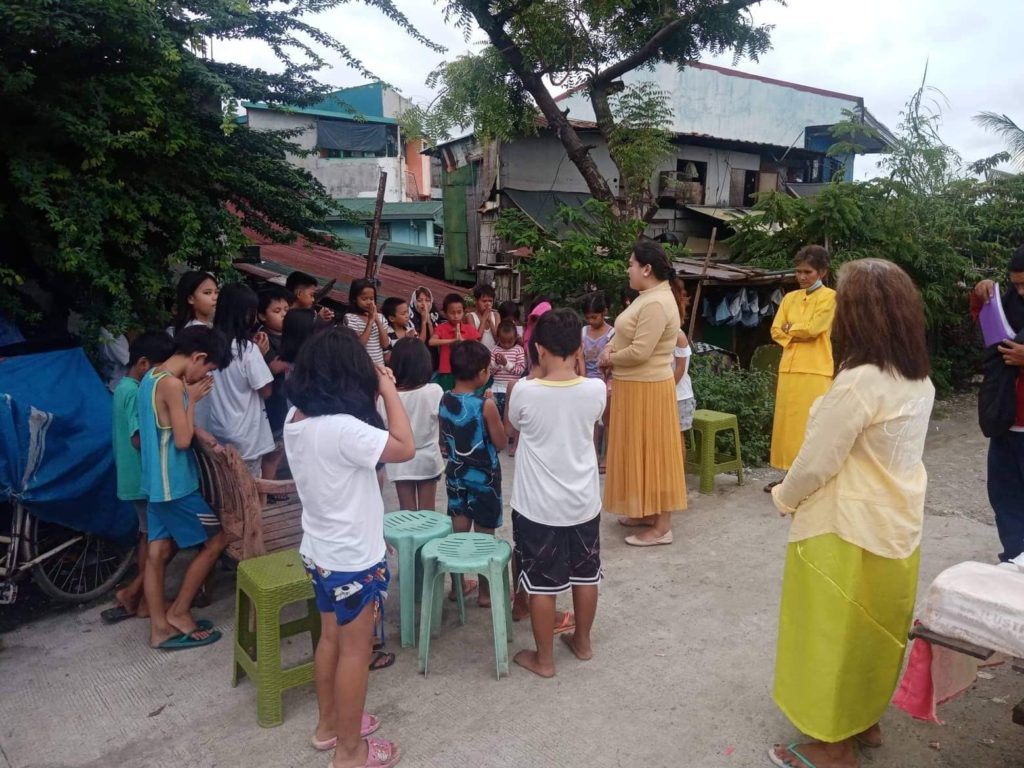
[980,603]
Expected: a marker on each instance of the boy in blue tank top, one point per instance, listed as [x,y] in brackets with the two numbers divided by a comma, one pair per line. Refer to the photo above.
[177,513]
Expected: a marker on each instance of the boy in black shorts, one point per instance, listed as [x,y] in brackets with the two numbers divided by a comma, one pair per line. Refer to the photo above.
[556,495]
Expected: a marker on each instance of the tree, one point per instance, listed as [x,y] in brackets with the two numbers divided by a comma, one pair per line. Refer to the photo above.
[122,151]
[537,45]
[1012,134]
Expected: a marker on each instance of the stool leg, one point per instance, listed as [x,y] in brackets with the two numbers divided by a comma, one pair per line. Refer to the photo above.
[498,610]
[427,616]
[244,640]
[739,456]
[407,591]
[460,598]
[506,580]
[707,461]
[269,709]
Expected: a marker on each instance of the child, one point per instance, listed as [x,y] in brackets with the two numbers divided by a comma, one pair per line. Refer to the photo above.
[425,319]
[195,302]
[363,318]
[508,363]
[273,308]
[416,480]
[334,387]
[177,513]
[303,288]
[299,325]
[556,495]
[399,322]
[448,334]
[236,413]
[472,432]
[685,400]
[483,317]
[509,310]
[595,337]
[147,350]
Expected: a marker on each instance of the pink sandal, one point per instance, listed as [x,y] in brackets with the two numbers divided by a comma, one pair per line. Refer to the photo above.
[369,725]
[381,754]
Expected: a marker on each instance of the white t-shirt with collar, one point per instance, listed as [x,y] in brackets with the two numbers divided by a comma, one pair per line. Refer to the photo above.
[333,461]
[556,480]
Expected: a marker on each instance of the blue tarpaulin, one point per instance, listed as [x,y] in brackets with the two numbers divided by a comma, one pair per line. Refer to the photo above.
[55,443]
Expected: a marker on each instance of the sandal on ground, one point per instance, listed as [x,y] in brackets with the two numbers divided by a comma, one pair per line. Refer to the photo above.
[772,484]
[381,754]
[188,640]
[636,541]
[116,614]
[785,762]
[368,726]
[381,660]
[566,624]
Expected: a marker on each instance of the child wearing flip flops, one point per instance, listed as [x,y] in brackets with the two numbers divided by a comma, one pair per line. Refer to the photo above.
[334,439]
[177,514]
[556,494]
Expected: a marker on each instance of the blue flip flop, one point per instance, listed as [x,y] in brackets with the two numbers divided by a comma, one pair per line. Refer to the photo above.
[185,641]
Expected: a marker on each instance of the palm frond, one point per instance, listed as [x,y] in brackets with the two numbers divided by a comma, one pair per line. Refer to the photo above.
[1011,133]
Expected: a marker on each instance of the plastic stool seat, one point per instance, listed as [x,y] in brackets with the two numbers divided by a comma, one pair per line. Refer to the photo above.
[701,454]
[264,586]
[463,553]
[407,532]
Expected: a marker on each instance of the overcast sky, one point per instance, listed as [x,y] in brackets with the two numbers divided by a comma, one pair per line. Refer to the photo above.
[877,49]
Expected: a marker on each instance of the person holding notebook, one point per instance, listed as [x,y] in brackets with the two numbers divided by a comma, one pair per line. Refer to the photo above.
[1006,444]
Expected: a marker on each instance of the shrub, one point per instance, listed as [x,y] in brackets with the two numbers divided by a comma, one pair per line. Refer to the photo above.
[748,394]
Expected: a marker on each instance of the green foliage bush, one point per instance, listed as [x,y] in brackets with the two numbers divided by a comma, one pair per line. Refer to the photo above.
[748,394]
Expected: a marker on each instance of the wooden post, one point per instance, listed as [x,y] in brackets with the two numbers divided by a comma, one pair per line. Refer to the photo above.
[695,305]
[378,210]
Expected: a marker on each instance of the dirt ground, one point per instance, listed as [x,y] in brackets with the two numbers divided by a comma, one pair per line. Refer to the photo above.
[684,643]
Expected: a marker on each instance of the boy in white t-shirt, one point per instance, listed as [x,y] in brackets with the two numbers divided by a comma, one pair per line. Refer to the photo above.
[556,495]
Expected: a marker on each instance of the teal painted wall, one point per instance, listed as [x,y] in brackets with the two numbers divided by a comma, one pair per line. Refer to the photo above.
[408,232]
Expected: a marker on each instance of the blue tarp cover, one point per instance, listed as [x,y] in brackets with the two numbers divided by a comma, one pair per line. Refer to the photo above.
[56,456]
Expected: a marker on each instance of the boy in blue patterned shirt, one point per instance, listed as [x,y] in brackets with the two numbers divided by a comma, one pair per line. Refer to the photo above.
[472,433]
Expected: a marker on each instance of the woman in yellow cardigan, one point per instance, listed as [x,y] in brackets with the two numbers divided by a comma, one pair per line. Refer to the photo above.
[856,496]
[803,328]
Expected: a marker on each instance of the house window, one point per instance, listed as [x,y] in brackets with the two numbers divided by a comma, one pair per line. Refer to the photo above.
[692,170]
[383,234]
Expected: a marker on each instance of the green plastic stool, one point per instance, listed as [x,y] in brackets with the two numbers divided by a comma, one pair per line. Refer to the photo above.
[407,532]
[268,584]
[701,456]
[463,553]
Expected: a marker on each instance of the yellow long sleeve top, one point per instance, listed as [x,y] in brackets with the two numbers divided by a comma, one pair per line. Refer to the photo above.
[807,346]
[645,336]
[859,473]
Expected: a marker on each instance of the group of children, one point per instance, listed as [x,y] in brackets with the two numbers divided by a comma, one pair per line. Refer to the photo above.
[394,388]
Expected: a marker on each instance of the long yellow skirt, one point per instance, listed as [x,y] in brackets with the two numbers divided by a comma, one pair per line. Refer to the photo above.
[794,396]
[645,473]
[843,627]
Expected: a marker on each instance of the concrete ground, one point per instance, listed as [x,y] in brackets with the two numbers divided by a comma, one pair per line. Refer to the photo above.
[684,641]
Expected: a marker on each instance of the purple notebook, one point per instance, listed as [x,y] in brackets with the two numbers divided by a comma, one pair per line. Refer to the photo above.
[995,329]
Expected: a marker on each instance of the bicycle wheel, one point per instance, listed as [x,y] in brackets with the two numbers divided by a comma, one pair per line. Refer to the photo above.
[83,570]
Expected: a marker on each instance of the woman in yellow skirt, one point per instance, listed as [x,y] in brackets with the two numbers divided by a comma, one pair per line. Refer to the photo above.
[645,483]
[802,328]
[856,493]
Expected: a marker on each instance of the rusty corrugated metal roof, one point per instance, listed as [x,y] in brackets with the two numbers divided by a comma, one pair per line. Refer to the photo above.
[724,273]
[328,264]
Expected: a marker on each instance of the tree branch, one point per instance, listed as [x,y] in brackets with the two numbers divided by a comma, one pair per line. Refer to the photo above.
[650,48]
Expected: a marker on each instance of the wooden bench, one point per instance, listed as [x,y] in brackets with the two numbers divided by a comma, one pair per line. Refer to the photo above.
[255,527]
